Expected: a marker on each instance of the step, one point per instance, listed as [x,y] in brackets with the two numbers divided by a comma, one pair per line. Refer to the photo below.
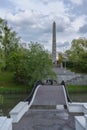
[80,123]
[2,121]
[5,123]
[85,108]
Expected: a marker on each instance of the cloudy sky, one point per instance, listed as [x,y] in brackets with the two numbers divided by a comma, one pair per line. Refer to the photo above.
[32,20]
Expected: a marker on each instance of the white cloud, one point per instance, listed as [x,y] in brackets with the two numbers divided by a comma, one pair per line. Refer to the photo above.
[78,22]
[19,17]
[78,2]
[32,19]
[56,7]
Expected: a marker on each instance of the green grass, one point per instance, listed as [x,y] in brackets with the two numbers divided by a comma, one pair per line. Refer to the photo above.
[77,88]
[7,84]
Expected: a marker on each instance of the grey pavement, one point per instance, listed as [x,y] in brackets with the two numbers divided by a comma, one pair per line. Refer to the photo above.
[43,114]
[70,77]
[63,71]
[64,74]
[45,120]
[50,95]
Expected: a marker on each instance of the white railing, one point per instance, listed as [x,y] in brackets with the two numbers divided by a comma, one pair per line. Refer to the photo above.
[18,111]
[5,123]
[21,108]
[80,121]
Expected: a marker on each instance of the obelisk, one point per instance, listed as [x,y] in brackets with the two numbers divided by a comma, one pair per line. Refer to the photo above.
[54,42]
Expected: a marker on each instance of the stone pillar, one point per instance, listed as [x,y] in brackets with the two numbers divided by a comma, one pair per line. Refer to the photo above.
[54,42]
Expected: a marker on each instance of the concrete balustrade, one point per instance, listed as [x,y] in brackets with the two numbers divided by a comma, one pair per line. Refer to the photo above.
[80,121]
[77,107]
[18,111]
[86,120]
[85,108]
[5,123]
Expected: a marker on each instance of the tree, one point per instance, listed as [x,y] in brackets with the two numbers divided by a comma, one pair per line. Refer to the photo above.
[2,59]
[29,65]
[78,54]
[60,58]
[33,64]
[8,40]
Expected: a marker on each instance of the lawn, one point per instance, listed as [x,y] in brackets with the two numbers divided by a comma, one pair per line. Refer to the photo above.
[7,84]
[77,88]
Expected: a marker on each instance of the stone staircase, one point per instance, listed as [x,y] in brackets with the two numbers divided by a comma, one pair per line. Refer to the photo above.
[70,77]
[79,80]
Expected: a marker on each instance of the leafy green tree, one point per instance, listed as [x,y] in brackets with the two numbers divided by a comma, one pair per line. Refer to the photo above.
[2,60]
[8,40]
[78,54]
[33,64]
[2,56]
[60,58]
[28,65]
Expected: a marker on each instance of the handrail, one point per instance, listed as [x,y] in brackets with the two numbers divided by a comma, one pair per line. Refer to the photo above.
[51,81]
[67,94]
[39,82]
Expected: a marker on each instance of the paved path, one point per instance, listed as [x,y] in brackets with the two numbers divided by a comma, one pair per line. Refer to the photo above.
[46,120]
[50,95]
[45,116]
[63,71]
[64,74]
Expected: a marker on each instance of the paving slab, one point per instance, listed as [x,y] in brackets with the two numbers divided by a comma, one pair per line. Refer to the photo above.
[41,119]
[43,114]
[50,95]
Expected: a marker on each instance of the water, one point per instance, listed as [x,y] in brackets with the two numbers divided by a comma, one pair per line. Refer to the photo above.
[8,101]
[78,97]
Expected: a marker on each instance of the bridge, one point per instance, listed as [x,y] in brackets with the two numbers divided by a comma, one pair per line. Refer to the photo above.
[48,110]
[48,107]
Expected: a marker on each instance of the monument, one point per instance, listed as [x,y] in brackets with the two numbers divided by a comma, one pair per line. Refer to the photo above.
[54,42]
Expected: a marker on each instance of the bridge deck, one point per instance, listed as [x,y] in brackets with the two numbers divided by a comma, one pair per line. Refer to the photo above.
[50,95]
[48,118]
[45,120]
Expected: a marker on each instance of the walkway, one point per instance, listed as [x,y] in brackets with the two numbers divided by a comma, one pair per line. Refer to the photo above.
[45,120]
[43,114]
[50,95]
[64,74]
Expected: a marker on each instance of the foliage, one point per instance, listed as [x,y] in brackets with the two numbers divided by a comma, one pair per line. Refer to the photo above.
[77,88]
[7,84]
[32,64]
[77,55]
[8,39]
[28,65]
[60,57]
[2,60]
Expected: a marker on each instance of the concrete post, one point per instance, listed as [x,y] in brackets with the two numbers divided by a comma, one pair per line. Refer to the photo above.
[86,121]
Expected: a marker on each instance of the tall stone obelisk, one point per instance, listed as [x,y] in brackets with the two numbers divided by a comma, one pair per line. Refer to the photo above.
[54,42]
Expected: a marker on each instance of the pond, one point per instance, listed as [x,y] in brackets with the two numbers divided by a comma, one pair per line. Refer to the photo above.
[8,101]
[78,97]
